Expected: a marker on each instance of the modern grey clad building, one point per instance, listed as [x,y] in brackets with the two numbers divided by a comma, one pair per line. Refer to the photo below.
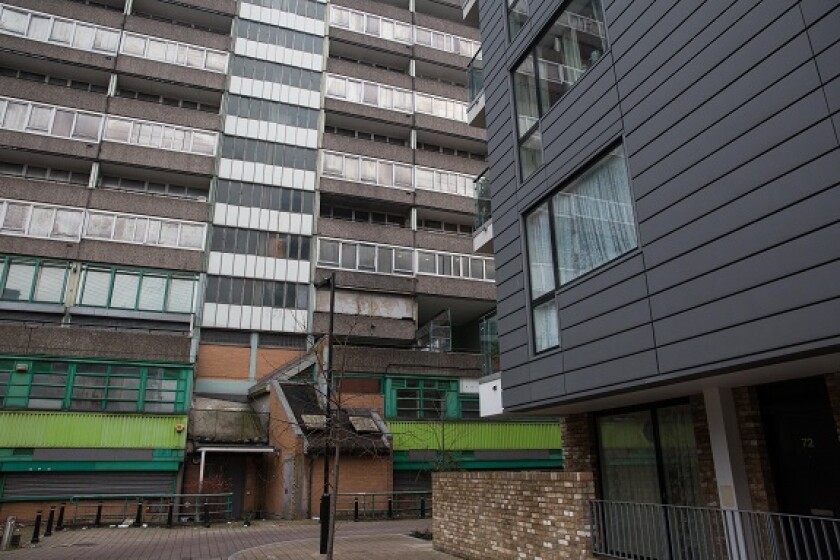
[664,181]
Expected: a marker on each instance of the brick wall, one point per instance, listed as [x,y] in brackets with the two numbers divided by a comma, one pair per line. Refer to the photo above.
[832,382]
[705,461]
[224,361]
[494,515]
[580,443]
[756,461]
[355,474]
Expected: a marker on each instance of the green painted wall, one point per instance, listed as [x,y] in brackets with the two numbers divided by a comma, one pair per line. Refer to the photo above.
[34,429]
[468,435]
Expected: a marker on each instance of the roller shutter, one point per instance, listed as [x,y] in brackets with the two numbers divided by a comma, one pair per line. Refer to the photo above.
[66,484]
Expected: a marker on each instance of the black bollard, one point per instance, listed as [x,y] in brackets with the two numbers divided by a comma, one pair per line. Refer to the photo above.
[390,508]
[423,507]
[50,520]
[60,525]
[206,514]
[170,516]
[37,530]
[98,521]
[355,509]
[138,517]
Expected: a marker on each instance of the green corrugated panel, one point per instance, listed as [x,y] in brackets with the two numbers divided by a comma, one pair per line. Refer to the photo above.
[410,434]
[90,429]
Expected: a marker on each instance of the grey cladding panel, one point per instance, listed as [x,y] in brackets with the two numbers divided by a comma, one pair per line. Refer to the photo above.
[546,365]
[754,304]
[796,118]
[804,326]
[614,297]
[823,33]
[596,328]
[705,119]
[801,253]
[808,215]
[760,203]
[609,348]
[627,368]
[776,162]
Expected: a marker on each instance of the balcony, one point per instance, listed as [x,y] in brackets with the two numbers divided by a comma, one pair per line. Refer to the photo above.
[483,232]
[475,88]
[228,425]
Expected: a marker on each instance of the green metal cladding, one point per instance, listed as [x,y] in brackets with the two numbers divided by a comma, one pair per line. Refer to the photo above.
[29,428]
[467,435]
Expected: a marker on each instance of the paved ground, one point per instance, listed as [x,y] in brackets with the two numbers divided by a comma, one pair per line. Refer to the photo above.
[379,540]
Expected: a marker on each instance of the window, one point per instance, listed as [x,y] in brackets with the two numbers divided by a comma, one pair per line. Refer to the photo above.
[260,243]
[93,386]
[518,14]
[585,225]
[470,407]
[136,289]
[412,399]
[32,280]
[573,43]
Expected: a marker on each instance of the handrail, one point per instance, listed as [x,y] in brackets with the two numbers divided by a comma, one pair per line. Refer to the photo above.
[646,530]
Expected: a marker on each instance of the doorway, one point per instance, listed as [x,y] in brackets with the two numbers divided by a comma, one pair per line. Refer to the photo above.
[802,446]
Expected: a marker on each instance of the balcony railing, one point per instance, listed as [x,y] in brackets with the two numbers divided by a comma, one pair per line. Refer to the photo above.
[656,531]
[457,435]
[481,187]
[475,77]
[488,332]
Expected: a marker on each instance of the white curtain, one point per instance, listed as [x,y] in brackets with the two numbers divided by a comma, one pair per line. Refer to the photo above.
[539,252]
[593,218]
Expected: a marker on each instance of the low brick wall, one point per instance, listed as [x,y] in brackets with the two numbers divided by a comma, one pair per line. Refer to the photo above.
[511,515]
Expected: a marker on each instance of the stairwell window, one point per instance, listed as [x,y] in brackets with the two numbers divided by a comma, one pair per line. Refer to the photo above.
[585,225]
[574,42]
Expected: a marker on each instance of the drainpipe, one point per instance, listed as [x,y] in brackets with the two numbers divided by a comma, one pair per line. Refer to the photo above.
[201,471]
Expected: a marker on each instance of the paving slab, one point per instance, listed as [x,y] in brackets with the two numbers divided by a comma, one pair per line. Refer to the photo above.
[220,542]
[367,547]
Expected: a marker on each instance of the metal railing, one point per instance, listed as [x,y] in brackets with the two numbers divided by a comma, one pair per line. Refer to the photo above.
[481,188]
[155,509]
[475,78]
[667,532]
[384,505]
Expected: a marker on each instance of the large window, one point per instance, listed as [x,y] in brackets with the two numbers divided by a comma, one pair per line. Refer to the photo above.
[92,386]
[32,280]
[573,43]
[136,289]
[586,224]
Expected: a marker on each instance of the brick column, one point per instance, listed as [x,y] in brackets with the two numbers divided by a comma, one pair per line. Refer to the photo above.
[580,443]
[705,460]
[757,463]
[832,383]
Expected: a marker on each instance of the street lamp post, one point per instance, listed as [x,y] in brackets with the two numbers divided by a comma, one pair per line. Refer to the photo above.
[325,497]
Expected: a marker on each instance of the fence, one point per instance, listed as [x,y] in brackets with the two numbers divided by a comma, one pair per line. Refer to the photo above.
[384,505]
[667,532]
[171,509]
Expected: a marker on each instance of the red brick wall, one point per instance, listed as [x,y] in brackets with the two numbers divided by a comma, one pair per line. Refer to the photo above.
[355,474]
[580,444]
[223,361]
[756,461]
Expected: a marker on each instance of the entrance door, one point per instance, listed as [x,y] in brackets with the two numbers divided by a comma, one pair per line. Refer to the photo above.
[802,446]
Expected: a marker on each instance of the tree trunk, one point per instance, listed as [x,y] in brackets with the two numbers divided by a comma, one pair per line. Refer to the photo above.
[333,503]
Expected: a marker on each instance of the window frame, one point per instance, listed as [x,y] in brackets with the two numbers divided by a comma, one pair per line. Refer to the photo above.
[522,137]
[548,202]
